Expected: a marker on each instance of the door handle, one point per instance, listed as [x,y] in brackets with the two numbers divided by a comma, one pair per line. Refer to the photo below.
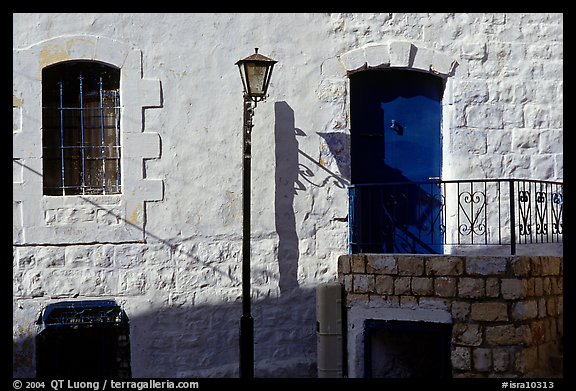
[396,127]
[434,178]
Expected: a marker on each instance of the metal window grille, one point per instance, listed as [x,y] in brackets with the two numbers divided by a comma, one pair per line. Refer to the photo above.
[81,129]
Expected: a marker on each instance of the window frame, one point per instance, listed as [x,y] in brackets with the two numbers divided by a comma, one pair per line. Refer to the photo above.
[40,219]
[68,89]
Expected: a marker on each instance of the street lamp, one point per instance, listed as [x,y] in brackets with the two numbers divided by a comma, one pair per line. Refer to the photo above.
[255,71]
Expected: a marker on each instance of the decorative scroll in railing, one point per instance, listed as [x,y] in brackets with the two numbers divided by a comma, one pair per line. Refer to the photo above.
[424,217]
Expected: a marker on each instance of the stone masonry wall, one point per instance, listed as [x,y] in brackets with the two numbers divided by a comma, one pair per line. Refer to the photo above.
[168,248]
[506,312]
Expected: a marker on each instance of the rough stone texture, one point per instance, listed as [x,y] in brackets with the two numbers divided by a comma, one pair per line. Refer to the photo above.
[168,248]
[504,322]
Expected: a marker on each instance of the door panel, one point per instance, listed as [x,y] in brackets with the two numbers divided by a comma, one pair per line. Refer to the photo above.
[395,138]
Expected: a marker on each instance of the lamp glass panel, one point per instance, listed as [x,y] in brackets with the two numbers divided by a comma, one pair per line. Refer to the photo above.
[256,75]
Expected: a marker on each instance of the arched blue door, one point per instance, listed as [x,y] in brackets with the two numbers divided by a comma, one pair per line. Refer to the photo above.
[395,154]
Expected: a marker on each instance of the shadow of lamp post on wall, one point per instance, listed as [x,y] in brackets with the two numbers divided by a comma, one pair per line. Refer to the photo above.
[255,71]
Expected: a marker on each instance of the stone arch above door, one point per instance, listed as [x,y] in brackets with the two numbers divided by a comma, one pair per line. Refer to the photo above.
[397,54]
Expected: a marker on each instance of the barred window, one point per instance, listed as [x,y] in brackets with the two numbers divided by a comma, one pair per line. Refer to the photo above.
[81,128]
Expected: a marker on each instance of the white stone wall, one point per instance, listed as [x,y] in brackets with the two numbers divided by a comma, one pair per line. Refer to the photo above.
[168,249]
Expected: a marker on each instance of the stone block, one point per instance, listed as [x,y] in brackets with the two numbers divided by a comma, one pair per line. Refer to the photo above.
[559,305]
[461,358]
[467,334]
[356,298]
[103,256]
[536,266]
[163,278]
[26,257]
[471,288]
[486,266]
[422,286]
[523,310]
[485,116]
[482,359]
[489,312]
[529,287]
[536,116]
[526,359]
[508,335]
[512,288]
[347,282]
[423,59]
[542,307]
[353,60]
[551,306]
[538,332]
[460,310]
[358,264]
[344,264]
[377,55]
[470,91]
[62,282]
[90,283]
[550,266]
[492,287]
[559,286]
[408,302]
[363,283]
[332,67]
[129,256]
[381,264]
[384,285]
[402,286]
[132,283]
[401,54]
[79,256]
[434,303]
[445,286]
[444,266]
[547,286]
[474,51]
[521,266]
[441,63]
[538,286]
[410,266]
[501,359]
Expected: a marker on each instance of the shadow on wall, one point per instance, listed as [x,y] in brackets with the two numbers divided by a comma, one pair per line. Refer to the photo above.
[203,341]
[292,176]
[183,340]
[286,179]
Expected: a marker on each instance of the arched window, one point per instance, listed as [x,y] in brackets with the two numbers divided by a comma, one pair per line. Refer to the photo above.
[81,129]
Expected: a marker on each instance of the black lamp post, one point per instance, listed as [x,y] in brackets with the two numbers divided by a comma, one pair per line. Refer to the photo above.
[255,71]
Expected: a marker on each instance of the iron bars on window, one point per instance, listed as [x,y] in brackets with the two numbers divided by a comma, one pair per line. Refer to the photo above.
[81,129]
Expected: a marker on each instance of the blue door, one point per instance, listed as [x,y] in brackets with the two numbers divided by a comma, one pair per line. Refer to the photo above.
[395,162]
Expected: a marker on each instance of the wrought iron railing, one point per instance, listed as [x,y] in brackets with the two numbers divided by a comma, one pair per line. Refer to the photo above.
[425,217]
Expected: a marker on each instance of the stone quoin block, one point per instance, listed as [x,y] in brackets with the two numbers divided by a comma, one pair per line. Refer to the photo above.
[358,264]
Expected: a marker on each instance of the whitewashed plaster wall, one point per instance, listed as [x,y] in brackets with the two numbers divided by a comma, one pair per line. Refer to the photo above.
[174,264]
